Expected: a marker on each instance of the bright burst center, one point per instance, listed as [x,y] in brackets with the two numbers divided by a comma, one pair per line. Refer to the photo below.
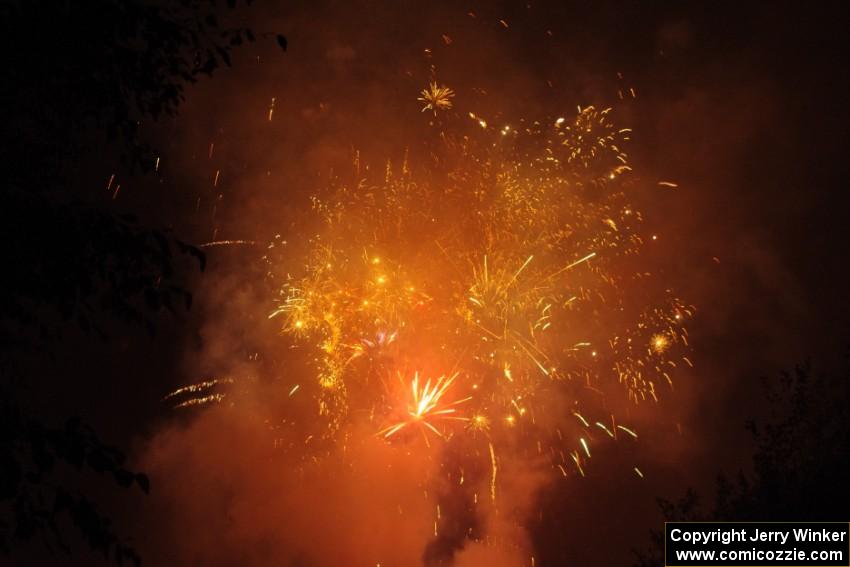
[426,405]
[437,97]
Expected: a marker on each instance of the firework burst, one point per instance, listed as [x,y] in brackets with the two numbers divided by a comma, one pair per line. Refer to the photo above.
[514,260]
[436,97]
[426,406]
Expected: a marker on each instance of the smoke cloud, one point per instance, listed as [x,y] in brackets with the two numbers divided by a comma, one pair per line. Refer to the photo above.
[233,488]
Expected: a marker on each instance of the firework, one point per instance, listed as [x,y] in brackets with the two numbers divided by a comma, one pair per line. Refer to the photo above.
[198,394]
[426,406]
[515,261]
[436,97]
[509,267]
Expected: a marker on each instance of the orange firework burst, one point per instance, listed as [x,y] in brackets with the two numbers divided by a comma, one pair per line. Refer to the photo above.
[659,342]
[426,406]
[437,97]
[515,258]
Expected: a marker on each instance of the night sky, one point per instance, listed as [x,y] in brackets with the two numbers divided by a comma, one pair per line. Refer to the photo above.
[742,105]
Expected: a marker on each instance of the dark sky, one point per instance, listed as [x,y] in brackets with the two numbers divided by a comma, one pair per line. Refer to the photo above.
[743,105]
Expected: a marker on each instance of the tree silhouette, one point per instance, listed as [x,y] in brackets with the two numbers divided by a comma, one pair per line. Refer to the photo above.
[80,77]
[100,66]
[800,466]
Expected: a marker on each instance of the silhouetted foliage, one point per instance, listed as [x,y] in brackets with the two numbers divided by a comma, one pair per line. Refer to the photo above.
[101,65]
[80,77]
[74,263]
[30,455]
[686,509]
[800,466]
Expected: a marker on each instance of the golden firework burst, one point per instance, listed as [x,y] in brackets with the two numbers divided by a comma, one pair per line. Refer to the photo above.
[436,97]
